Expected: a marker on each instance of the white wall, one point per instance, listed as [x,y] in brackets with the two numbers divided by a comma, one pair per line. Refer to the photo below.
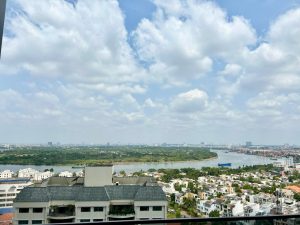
[98,176]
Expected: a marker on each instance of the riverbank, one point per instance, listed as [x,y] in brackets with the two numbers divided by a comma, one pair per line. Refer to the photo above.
[103,155]
[237,160]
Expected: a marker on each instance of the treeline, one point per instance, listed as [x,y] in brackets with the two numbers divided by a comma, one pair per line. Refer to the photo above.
[193,173]
[101,154]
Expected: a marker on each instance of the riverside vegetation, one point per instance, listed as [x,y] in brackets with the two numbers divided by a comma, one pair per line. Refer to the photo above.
[82,155]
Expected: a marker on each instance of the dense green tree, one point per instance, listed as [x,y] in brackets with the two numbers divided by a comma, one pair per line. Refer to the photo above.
[214,213]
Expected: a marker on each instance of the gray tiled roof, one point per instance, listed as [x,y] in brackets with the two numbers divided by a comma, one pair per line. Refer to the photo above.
[81,193]
[150,193]
[62,192]
[28,195]
[122,192]
[92,194]
[149,181]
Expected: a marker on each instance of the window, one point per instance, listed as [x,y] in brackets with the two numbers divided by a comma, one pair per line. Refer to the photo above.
[98,209]
[11,195]
[144,208]
[37,221]
[2,195]
[157,208]
[24,210]
[37,210]
[85,209]
[84,220]
[9,204]
[2,205]
[97,220]
[23,222]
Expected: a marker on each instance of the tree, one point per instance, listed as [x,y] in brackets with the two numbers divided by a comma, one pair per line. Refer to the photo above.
[297,197]
[178,214]
[214,213]
[172,197]
[123,173]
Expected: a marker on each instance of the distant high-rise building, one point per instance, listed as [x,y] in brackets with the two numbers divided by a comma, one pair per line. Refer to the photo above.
[50,143]
[248,143]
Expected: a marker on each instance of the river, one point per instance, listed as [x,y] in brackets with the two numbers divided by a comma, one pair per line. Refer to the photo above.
[237,159]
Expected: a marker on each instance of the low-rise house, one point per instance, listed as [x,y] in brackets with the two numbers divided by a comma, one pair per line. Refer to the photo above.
[42,175]
[265,209]
[202,195]
[27,173]
[6,174]
[233,208]
[65,174]
[206,206]
[179,198]
[251,209]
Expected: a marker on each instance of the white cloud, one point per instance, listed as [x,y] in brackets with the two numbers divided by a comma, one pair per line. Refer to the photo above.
[86,43]
[191,101]
[181,40]
[231,70]
[275,64]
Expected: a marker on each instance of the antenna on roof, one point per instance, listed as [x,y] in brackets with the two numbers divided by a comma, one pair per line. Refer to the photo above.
[2,16]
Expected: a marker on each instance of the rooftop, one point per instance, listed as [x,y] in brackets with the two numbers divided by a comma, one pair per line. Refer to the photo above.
[81,193]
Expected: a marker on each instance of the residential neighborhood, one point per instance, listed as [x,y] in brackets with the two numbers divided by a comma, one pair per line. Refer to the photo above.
[266,192]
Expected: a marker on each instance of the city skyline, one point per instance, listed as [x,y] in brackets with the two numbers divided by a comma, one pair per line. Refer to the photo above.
[150,72]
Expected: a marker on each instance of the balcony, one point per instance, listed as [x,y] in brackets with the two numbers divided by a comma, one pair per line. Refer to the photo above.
[121,212]
[251,220]
[61,212]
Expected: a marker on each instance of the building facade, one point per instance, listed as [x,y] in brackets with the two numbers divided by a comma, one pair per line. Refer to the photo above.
[9,188]
[93,200]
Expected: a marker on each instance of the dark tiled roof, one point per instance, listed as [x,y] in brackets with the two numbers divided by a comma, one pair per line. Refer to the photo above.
[29,194]
[150,193]
[81,193]
[121,192]
[148,181]
[92,194]
[62,192]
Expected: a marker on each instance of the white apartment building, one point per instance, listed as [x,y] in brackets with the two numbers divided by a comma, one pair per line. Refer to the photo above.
[9,188]
[65,174]
[42,175]
[92,198]
[34,174]
[6,174]
[28,173]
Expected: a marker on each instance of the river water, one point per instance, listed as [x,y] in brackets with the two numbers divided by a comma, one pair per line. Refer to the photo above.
[237,159]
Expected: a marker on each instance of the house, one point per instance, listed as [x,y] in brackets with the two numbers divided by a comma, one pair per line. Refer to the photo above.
[65,174]
[27,173]
[206,206]
[251,209]
[233,208]
[6,174]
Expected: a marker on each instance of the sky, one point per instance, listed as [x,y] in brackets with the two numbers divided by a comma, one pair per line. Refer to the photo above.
[150,71]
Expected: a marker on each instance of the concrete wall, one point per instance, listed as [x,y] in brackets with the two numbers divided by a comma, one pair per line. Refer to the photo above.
[150,214]
[30,216]
[91,215]
[98,176]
